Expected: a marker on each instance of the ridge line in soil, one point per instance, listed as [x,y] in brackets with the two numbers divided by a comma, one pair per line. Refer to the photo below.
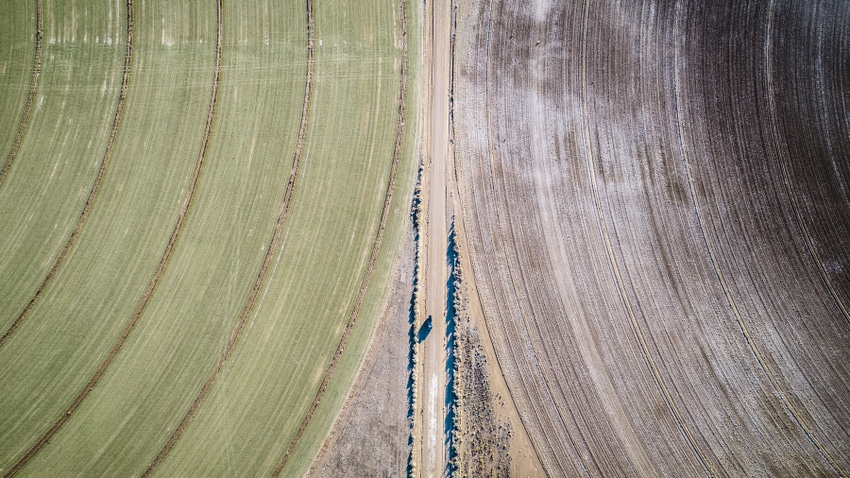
[719,274]
[618,280]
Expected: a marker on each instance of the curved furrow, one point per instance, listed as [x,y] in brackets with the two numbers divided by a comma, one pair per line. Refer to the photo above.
[650,361]
[807,429]
[116,123]
[271,249]
[25,118]
[328,374]
[786,174]
[511,268]
[489,135]
[536,396]
[166,254]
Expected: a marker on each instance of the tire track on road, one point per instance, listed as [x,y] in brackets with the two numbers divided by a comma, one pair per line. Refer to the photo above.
[270,252]
[615,269]
[786,174]
[116,123]
[326,378]
[36,73]
[168,250]
[795,415]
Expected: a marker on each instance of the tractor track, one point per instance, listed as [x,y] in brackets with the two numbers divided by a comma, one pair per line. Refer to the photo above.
[270,252]
[491,153]
[795,415]
[171,243]
[326,378]
[116,123]
[460,228]
[36,73]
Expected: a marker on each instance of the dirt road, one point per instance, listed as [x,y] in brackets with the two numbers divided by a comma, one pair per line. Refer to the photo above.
[433,452]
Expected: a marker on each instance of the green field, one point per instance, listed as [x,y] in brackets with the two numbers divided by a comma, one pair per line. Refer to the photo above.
[18,45]
[152,288]
[63,147]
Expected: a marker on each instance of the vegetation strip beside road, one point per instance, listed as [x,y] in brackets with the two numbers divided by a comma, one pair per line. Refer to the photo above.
[270,252]
[25,118]
[169,248]
[116,122]
[373,256]
[807,429]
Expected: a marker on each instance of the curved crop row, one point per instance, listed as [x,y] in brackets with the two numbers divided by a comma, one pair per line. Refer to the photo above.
[57,161]
[71,332]
[8,82]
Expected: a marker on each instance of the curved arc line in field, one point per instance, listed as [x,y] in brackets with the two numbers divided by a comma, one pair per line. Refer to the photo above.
[719,274]
[116,123]
[326,378]
[615,269]
[786,174]
[460,223]
[491,154]
[168,250]
[36,73]
[270,252]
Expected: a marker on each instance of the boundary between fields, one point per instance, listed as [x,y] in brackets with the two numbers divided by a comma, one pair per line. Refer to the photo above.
[372,258]
[719,274]
[36,73]
[786,174]
[270,250]
[116,122]
[169,248]
[615,269]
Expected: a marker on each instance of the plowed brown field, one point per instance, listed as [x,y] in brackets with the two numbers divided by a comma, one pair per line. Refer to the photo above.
[658,215]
